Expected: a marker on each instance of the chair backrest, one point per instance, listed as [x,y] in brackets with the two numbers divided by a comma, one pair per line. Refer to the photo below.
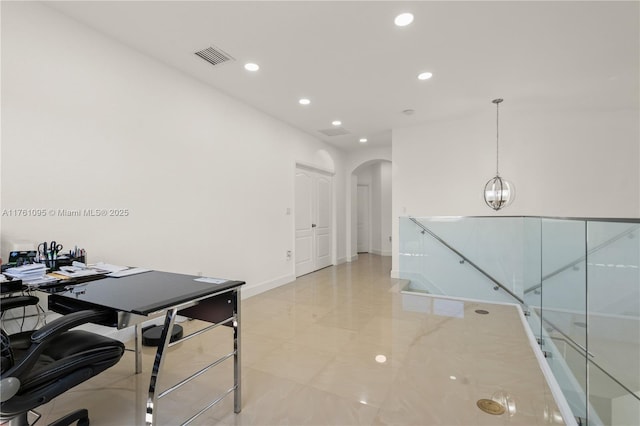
[8,303]
[6,353]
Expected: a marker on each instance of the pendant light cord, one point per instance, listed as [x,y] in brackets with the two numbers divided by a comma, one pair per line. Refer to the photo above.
[497,102]
[497,136]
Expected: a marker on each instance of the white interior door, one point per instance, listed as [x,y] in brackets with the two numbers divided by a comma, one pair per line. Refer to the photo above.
[323,221]
[364,224]
[313,221]
[304,251]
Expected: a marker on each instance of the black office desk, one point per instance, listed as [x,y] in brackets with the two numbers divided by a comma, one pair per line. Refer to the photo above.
[137,298]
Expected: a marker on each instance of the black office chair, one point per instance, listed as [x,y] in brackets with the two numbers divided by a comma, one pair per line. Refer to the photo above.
[39,365]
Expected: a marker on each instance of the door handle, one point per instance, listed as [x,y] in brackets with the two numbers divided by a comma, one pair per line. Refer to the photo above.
[313,225]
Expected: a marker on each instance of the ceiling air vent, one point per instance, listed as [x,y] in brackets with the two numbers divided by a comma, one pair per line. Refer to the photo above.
[214,56]
[335,131]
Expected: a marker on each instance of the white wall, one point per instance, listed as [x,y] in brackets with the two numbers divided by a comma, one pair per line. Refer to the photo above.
[88,123]
[381,208]
[578,163]
[386,222]
[376,203]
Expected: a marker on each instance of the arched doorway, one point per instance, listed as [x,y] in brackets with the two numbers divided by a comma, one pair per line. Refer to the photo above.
[371,221]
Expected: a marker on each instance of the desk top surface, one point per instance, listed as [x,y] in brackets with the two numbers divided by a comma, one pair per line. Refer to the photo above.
[145,293]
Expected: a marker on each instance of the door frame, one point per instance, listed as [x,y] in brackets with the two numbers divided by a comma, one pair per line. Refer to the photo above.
[369,245]
[328,173]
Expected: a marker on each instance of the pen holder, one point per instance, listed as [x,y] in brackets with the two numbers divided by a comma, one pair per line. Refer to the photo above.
[52,264]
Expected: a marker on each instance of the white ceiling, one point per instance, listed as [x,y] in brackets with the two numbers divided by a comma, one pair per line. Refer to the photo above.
[356,66]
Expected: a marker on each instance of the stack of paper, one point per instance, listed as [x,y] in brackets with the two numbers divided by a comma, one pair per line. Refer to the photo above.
[26,272]
[30,274]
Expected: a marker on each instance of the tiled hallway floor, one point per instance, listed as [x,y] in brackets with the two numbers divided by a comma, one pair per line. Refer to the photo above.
[341,346]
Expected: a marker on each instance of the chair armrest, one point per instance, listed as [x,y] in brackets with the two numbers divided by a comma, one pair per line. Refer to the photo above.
[40,338]
[12,302]
[65,323]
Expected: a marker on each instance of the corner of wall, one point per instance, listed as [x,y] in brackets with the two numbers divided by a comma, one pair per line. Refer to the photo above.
[255,289]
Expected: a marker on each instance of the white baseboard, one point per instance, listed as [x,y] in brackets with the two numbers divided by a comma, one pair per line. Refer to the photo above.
[353,258]
[395,273]
[341,260]
[252,290]
[381,252]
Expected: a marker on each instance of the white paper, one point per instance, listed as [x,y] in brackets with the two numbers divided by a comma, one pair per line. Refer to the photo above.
[210,280]
[107,267]
[127,272]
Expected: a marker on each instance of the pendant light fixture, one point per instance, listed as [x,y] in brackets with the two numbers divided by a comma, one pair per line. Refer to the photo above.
[498,192]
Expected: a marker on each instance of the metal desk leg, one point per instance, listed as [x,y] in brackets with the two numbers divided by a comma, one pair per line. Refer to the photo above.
[138,348]
[237,394]
[152,398]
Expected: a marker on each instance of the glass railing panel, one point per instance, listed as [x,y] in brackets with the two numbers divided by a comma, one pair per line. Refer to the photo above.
[563,306]
[434,268]
[411,253]
[532,272]
[494,244]
[613,281]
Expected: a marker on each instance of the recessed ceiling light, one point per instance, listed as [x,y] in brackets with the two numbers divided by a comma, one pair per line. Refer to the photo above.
[251,66]
[403,19]
[363,140]
[424,76]
[304,101]
[336,122]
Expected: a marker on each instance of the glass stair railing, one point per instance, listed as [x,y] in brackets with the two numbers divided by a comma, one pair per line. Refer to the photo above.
[432,265]
[578,279]
[630,232]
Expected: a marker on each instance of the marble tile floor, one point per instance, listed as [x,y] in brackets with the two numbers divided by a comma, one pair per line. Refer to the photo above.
[340,346]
